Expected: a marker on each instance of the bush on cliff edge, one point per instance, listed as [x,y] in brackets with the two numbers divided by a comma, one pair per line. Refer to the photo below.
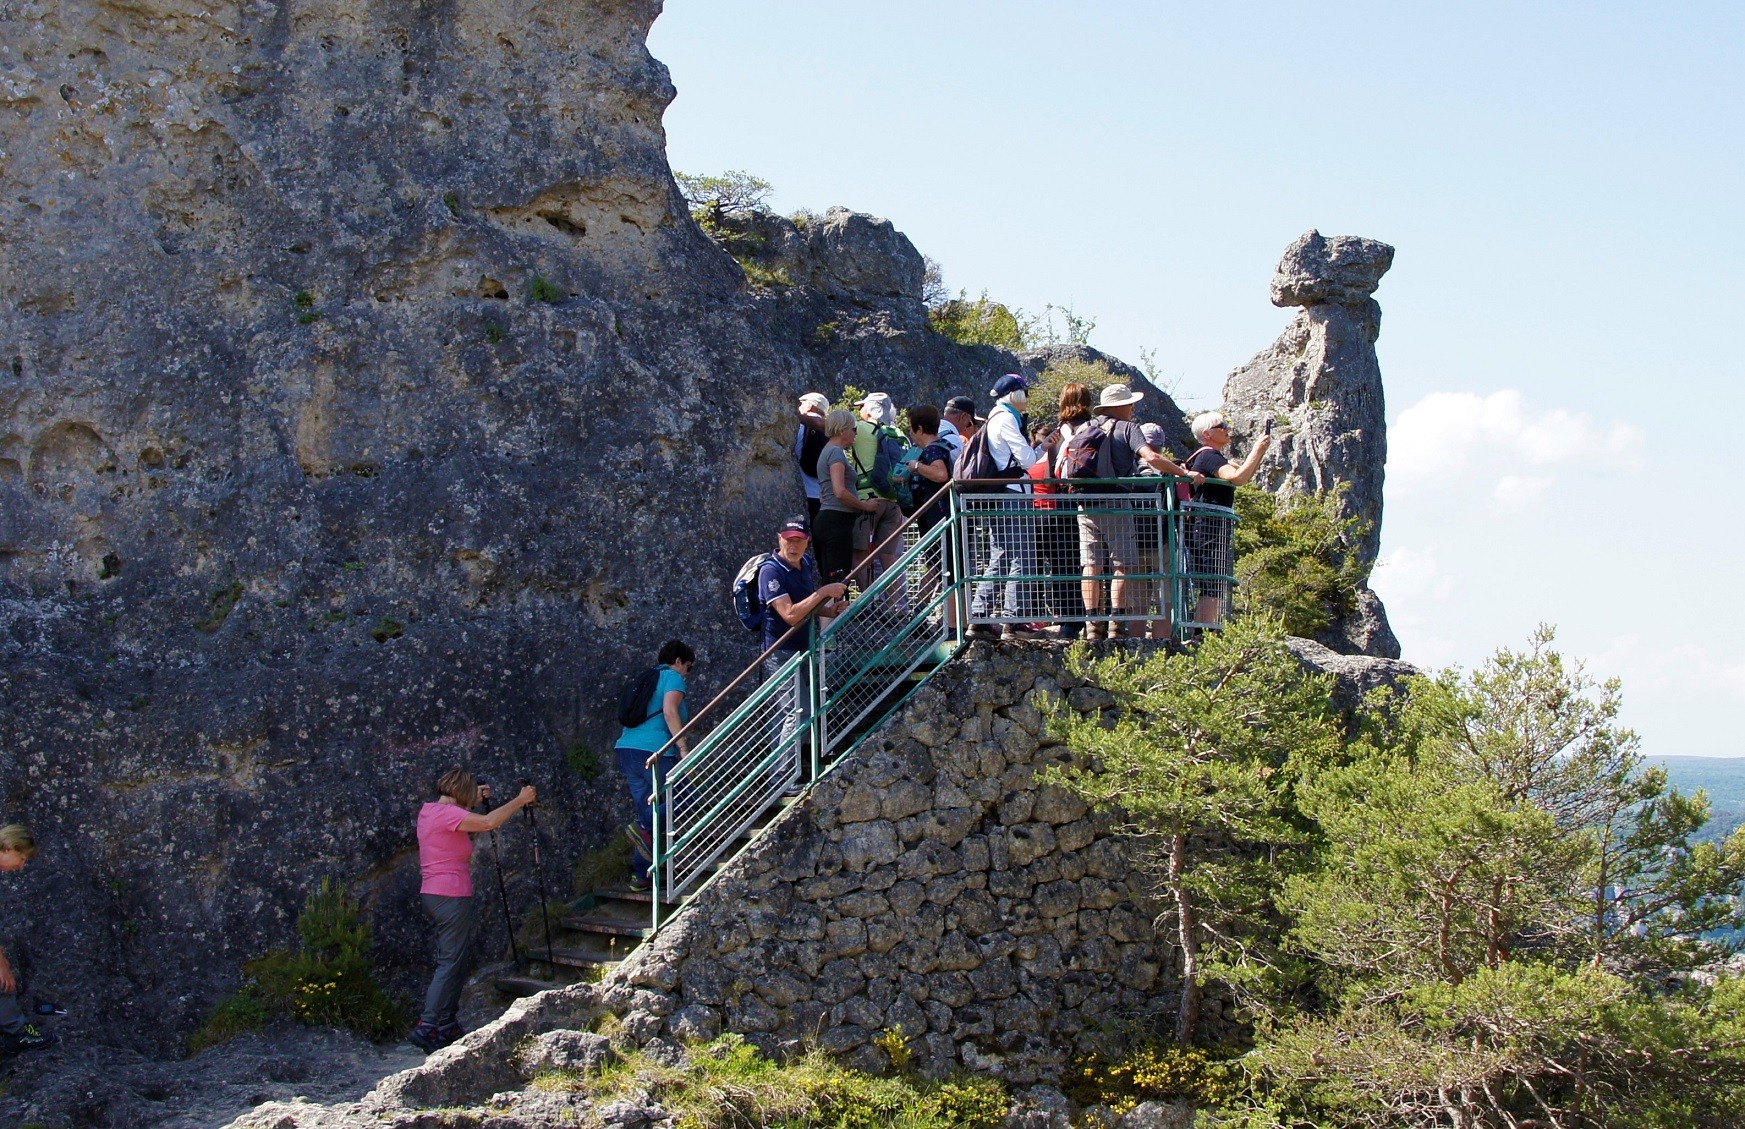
[328,981]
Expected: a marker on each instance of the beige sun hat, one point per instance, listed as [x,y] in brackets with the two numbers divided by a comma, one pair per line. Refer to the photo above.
[1118,395]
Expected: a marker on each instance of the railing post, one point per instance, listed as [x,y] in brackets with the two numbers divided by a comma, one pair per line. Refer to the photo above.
[813,671]
[959,541]
[657,851]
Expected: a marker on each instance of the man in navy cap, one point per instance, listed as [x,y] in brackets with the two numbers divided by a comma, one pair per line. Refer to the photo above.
[791,596]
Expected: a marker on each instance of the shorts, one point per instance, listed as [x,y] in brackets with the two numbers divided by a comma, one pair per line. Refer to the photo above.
[871,529]
[1106,543]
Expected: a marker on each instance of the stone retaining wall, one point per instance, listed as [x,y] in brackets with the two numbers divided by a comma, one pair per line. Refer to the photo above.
[930,884]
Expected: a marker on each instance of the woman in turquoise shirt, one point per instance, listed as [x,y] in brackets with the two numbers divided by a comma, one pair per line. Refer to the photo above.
[667,715]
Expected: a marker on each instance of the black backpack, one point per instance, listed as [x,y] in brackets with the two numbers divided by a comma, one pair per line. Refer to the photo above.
[810,448]
[975,461]
[636,698]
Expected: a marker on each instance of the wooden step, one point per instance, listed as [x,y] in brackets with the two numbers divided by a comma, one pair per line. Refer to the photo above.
[582,952]
[603,921]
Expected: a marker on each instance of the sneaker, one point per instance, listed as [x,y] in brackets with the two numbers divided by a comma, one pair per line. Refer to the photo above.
[32,1038]
[639,885]
[448,1033]
[49,1007]
[641,841]
[1021,634]
[427,1037]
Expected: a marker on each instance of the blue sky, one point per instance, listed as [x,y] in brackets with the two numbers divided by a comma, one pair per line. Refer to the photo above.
[1565,186]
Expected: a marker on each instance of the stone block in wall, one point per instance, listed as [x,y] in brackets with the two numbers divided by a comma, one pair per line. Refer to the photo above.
[694,1023]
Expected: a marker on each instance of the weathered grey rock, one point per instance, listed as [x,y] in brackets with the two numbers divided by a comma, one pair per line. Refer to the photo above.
[1159,1115]
[1341,271]
[580,1051]
[1321,381]
[1040,1107]
[1354,675]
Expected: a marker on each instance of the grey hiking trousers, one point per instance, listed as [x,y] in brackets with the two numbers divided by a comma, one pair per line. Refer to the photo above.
[457,927]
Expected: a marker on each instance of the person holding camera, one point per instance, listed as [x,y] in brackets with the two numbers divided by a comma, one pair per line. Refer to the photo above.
[446,827]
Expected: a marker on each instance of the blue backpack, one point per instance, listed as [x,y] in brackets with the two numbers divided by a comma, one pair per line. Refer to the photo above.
[747,604]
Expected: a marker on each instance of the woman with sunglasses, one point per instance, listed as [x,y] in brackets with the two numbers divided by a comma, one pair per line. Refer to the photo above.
[1204,540]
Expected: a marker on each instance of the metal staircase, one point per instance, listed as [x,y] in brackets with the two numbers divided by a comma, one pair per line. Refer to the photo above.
[758,742]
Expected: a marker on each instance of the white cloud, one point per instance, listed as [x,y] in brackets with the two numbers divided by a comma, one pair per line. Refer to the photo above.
[1411,575]
[1449,434]
[1415,588]
[1686,667]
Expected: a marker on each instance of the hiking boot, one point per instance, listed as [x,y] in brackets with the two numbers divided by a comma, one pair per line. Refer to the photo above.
[640,841]
[31,1038]
[1021,635]
[982,631]
[448,1033]
[427,1037]
[1096,631]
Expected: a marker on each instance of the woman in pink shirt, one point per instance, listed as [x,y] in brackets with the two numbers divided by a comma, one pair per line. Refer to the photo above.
[445,853]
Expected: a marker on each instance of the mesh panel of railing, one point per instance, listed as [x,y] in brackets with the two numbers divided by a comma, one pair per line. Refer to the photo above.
[1126,551]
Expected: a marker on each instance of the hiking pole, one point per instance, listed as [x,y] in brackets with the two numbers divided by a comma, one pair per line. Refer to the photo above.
[539,872]
[503,892]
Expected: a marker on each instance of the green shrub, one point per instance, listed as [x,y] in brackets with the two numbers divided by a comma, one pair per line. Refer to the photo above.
[543,290]
[328,981]
[583,761]
[604,868]
[1045,390]
[982,322]
[726,1084]
[1153,1073]
[236,1014]
[762,275]
[1294,558]
[222,600]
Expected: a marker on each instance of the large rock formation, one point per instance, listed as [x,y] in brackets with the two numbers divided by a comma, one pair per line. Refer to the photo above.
[1320,384]
[369,402]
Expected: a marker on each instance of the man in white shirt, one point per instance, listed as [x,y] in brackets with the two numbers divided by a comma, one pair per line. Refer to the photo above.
[1011,541]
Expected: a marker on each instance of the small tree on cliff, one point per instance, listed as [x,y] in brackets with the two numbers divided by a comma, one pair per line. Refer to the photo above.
[1200,766]
[714,199]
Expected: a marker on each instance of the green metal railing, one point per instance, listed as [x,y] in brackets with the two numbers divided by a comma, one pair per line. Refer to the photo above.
[993,558]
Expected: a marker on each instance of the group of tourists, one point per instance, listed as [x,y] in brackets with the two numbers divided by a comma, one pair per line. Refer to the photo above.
[863,478]
[852,515]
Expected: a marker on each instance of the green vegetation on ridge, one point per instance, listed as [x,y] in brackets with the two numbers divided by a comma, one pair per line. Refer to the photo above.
[1480,909]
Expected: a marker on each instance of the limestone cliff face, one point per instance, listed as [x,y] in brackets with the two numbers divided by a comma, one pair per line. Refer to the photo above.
[1321,384]
[368,403]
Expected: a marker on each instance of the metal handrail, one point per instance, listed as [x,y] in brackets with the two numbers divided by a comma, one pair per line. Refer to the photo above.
[864,659]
